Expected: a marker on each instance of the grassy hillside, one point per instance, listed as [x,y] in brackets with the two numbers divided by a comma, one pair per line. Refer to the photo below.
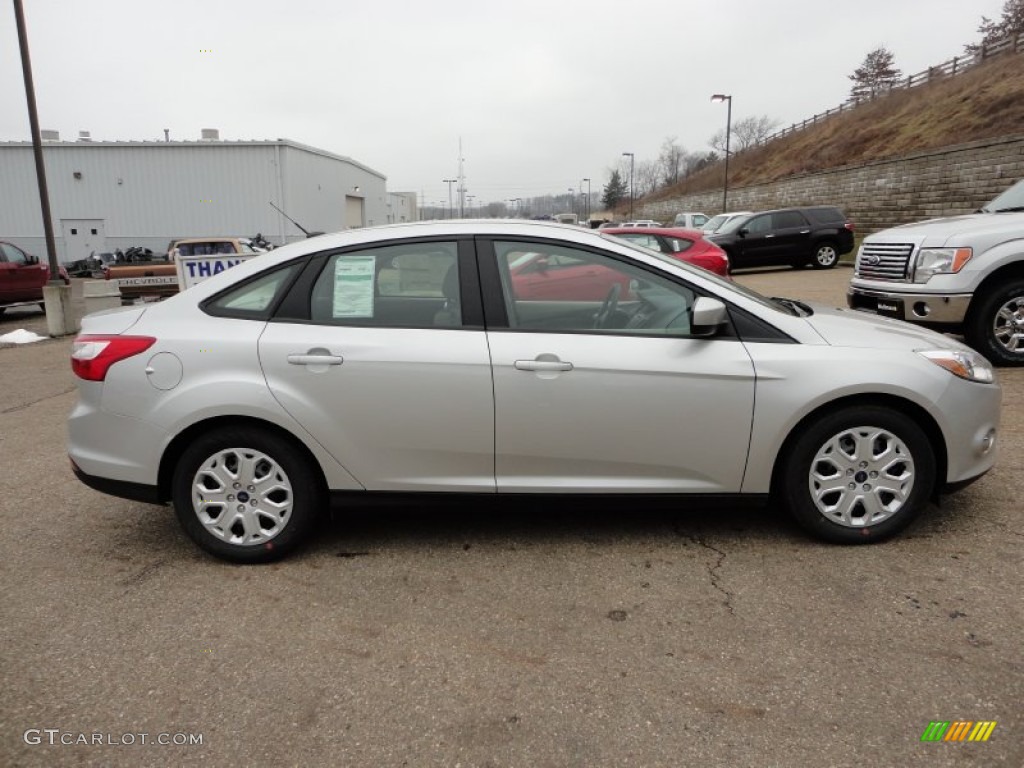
[985,102]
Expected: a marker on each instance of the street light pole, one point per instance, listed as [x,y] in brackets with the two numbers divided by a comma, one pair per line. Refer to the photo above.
[630,156]
[728,131]
[37,144]
[586,205]
[449,182]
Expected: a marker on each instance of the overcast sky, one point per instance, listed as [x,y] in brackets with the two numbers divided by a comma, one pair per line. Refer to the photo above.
[543,94]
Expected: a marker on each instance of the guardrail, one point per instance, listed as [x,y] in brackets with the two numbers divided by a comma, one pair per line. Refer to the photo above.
[955,66]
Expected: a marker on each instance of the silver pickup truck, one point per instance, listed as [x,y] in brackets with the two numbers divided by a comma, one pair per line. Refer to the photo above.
[962,274]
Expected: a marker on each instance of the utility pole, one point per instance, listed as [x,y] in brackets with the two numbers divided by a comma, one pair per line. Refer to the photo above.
[449,182]
[630,156]
[57,301]
[728,131]
[462,183]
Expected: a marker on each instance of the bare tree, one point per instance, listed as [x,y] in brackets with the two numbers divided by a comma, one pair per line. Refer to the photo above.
[752,130]
[1011,23]
[876,74]
[745,133]
[671,161]
[647,177]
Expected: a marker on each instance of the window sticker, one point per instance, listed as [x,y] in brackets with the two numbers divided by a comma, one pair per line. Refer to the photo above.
[353,286]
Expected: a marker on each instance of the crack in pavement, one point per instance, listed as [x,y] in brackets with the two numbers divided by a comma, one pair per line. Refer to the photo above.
[713,569]
[23,406]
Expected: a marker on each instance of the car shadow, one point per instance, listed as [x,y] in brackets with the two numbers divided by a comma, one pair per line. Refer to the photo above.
[362,529]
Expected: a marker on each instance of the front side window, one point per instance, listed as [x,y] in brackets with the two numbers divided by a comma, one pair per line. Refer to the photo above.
[759,225]
[588,292]
[405,286]
[12,255]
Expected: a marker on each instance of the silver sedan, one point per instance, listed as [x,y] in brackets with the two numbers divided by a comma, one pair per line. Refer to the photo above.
[485,357]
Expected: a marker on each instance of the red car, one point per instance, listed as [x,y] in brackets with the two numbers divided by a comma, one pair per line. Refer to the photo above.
[22,277]
[686,245]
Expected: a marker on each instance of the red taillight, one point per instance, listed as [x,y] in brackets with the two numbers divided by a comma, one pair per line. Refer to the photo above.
[92,356]
[849,225]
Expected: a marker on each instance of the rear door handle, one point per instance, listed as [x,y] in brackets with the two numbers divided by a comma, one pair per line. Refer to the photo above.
[315,359]
[542,365]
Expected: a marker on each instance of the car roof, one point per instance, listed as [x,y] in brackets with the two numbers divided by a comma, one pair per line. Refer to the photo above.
[210,240]
[383,235]
[694,234]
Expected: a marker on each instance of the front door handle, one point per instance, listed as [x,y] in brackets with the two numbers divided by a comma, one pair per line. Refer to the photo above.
[315,357]
[542,365]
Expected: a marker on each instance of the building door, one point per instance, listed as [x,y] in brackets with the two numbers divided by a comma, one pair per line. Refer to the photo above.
[82,237]
[354,213]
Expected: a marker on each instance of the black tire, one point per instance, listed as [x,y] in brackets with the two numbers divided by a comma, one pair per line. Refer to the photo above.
[829,445]
[294,493]
[990,326]
[826,255]
[2,310]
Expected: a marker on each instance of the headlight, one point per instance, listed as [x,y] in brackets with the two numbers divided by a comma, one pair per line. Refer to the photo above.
[939,261]
[965,364]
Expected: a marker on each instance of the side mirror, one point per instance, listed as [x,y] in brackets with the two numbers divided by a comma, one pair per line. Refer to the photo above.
[709,315]
[541,264]
[743,232]
[30,260]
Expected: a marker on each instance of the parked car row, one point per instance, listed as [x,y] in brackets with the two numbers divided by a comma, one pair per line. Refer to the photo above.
[22,277]
[813,236]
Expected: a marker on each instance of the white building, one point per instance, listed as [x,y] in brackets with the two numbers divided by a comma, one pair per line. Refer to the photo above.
[115,194]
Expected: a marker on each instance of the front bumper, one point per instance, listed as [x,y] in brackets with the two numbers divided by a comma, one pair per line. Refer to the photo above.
[947,310]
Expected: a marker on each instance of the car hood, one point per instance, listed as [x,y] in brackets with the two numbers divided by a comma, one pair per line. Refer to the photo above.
[968,226]
[851,328]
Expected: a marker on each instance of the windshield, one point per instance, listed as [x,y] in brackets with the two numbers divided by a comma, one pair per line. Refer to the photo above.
[1011,200]
[728,285]
[715,222]
[732,225]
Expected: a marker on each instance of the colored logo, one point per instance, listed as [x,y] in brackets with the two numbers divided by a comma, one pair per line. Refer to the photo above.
[958,730]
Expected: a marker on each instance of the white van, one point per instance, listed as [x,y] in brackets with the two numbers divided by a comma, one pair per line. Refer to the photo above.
[689,220]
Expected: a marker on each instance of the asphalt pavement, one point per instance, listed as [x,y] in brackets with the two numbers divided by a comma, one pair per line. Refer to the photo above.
[498,635]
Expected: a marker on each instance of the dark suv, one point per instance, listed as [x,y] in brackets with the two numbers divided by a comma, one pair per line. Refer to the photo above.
[817,236]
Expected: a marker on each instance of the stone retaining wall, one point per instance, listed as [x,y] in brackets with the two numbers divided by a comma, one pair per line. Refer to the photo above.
[879,194]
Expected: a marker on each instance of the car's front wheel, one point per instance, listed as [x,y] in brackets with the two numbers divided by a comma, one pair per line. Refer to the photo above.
[244,494]
[996,327]
[825,256]
[858,475]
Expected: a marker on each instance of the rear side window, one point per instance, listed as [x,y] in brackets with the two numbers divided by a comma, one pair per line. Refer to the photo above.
[826,214]
[255,298]
[412,285]
[788,220]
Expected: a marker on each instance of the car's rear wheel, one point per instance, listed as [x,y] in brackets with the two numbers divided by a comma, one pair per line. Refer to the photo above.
[825,256]
[859,475]
[245,494]
[996,327]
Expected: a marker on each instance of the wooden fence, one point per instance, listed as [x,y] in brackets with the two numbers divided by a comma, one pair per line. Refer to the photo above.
[955,66]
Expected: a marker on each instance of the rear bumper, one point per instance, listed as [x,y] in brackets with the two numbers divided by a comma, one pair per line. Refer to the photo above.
[946,310]
[149,494]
